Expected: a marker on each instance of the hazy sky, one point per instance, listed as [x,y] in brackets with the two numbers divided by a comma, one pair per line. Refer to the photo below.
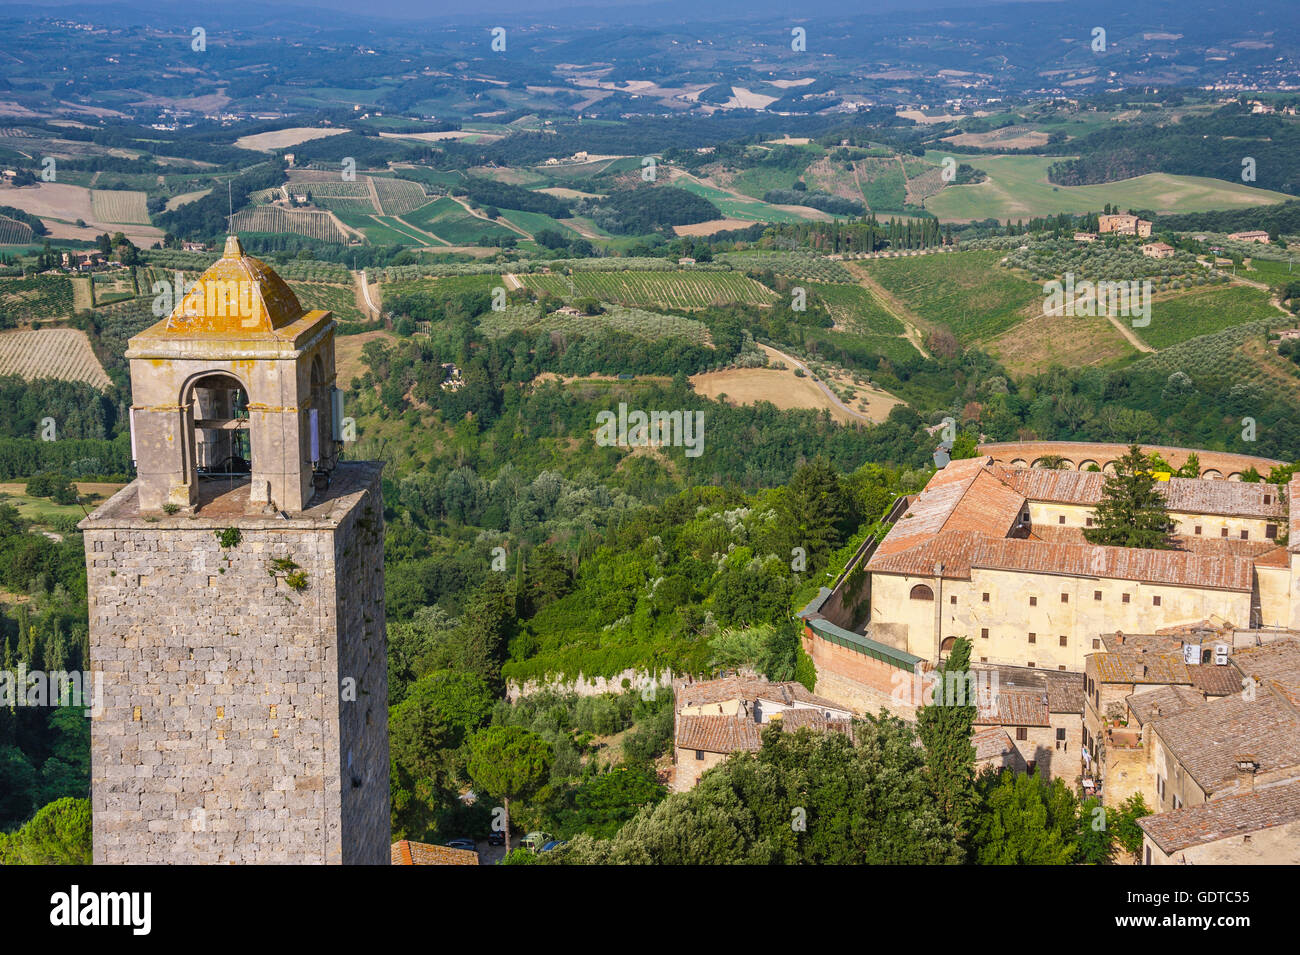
[649,11]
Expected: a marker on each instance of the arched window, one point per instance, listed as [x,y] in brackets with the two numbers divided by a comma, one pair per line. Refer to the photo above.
[219,408]
[945,648]
[921,592]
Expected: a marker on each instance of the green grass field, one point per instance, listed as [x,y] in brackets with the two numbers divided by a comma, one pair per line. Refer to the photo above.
[734,208]
[965,291]
[447,219]
[1017,188]
[535,222]
[1276,274]
[1189,315]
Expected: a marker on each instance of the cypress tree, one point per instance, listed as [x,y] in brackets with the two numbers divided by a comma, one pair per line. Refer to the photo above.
[1132,511]
[944,726]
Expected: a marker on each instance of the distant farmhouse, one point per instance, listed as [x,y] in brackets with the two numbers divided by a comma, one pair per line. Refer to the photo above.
[1123,225]
[1158,250]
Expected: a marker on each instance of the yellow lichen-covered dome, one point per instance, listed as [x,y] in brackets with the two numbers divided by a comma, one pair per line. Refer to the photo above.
[237,295]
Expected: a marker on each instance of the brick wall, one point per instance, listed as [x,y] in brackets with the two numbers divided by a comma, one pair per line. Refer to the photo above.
[852,665]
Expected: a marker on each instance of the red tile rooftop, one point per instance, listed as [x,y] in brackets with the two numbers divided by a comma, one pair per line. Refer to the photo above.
[1235,815]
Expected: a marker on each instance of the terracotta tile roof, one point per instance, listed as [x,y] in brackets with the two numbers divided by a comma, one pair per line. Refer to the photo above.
[966,496]
[813,720]
[790,693]
[717,734]
[1235,815]
[1137,667]
[1279,660]
[1166,701]
[748,688]
[1182,495]
[1225,498]
[1133,642]
[1171,567]
[1065,691]
[1056,487]
[1277,556]
[421,853]
[992,743]
[1064,688]
[969,516]
[1206,739]
[702,692]
[951,549]
[1214,680]
[1260,552]
[1009,707]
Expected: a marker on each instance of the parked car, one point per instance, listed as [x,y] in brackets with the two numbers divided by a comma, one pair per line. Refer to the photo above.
[552,845]
[462,844]
[496,838]
[534,841]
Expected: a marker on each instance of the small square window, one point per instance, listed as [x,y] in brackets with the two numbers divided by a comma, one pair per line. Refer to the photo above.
[1270,531]
[1198,529]
[986,598]
[1022,733]
[1126,598]
[699,754]
[1061,667]
[1064,641]
[1033,638]
[952,599]
[1033,601]
[1096,595]
[984,659]
[984,633]
[1061,519]
[1096,643]
[1155,601]
[1090,522]
[1065,598]
[1245,535]
[1031,663]
[1268,499]
[1223,532]
[1060,732]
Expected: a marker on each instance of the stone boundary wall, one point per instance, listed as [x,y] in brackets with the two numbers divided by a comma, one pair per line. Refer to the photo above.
[589,686]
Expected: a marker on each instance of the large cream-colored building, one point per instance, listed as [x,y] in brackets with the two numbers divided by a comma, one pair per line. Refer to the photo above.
[997,554]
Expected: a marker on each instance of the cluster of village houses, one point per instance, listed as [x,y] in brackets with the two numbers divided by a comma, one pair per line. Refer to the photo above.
[1173,674]
[1126,224]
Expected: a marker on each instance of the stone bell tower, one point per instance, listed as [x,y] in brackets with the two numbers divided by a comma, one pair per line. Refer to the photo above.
[236,597]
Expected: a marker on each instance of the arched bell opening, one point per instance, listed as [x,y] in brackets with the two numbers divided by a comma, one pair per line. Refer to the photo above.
[220,445]
[320,426]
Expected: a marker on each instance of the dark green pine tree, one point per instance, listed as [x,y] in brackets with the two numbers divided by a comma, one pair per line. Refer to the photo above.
[944,726]
[1132,511]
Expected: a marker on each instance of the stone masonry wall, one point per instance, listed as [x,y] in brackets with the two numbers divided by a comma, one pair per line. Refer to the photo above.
[363,657]
[220,738]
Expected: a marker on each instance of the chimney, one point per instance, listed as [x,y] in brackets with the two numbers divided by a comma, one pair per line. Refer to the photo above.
[1119,638]
[1247,767]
